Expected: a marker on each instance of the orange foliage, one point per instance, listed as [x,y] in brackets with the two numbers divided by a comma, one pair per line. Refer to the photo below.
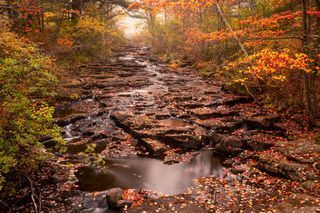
[269,64]
[65,42]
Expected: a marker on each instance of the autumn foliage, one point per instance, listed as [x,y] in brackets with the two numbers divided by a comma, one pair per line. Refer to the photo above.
[39,41]
[255,45]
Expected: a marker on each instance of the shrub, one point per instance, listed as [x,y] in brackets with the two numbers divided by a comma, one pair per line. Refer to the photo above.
[26,81]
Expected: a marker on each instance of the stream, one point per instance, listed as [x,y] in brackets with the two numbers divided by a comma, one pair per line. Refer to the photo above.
[88,121]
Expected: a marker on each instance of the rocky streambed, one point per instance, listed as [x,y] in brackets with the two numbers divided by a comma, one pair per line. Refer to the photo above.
[164,135]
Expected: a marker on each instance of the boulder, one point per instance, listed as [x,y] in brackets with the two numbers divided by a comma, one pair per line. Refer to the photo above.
[278,165]
[262,122]
[239,169]
[207,113]
[123,203]
[229,146]
[155,147]
[257,145]
[184,141]
[97,203]
[212,139]
[304,152]
[114,196]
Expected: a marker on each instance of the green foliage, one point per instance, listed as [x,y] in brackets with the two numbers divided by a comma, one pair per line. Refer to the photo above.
[208,70]
[26,81]
[96,159]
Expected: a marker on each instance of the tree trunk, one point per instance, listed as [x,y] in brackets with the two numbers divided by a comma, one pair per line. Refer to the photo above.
[76,5]
[309,78]
[220,43]
[12,13]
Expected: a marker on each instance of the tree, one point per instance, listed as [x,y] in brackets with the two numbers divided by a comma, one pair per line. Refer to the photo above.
[309,78]
[253,33]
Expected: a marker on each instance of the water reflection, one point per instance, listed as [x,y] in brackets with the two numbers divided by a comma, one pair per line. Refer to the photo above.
[152,174]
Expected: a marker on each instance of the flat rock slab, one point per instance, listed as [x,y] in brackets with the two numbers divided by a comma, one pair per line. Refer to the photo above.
[304,152]
[207,113]
[173,132]
[156,147]
[277,164]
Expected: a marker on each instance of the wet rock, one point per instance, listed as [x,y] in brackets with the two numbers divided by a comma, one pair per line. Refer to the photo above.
[262,122]
[125,74]
[114,197]
[161,116]
[228,126]
[220,126]
[132,64]
[174,122]
[304,152]
[311,175]
[152,59]
[173,132]
[66,121]
[74,148]
[123,204]
[239,169]
[103,97]
[181,141]
[238,100]
[212,139]
[207,113]
[191,105]
[229,146]
[215,103]
[106,201]
[278,165]
[155,147]
[182,98]
[121,120]
[231,101]
[257,145]
[94,204]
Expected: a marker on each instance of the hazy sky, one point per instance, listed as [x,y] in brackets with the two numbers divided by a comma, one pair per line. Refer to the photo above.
[130,25]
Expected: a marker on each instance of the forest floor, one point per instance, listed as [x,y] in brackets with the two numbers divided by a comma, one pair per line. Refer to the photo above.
[135,105]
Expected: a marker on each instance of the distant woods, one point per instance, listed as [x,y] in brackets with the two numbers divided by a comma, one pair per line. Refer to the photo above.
[67,27]
[268,49]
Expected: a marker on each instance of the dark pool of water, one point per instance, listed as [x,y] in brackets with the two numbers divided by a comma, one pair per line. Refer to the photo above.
[151,174]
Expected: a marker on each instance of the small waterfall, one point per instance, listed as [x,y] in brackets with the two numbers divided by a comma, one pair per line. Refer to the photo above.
[68,135]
